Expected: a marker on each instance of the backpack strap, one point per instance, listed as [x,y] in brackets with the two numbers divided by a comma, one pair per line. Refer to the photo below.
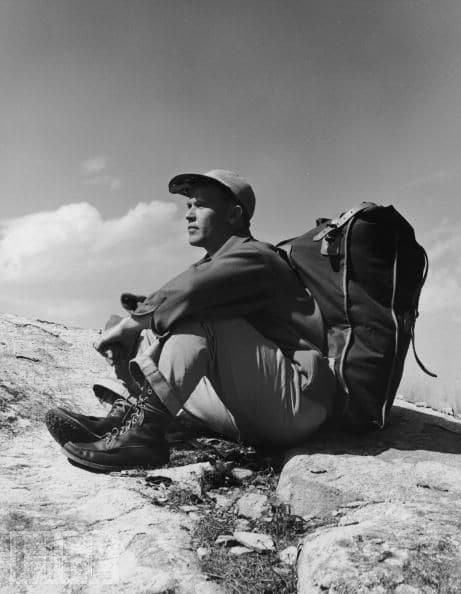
[417,359]
[335,225]
[415,314]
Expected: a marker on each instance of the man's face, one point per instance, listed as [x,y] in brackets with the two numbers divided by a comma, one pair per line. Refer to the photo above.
[209,217]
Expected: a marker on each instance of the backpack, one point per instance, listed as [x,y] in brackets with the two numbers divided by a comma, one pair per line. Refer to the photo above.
[366,271]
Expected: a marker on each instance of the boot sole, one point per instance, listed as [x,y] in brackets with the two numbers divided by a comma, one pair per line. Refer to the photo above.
[64,428]
[86,464]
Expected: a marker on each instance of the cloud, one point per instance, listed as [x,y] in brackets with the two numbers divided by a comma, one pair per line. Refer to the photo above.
[71,265]
[114,183]
[441,293]
[434,178]
[94,165]
[443,287]
[95,172]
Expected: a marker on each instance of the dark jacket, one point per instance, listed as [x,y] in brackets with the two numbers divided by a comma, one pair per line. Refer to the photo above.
[244,278]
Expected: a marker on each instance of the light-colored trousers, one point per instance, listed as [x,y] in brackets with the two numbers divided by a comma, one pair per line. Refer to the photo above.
[236,381]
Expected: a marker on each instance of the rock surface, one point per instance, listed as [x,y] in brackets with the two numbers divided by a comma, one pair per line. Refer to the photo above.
[383,511]
[63,529]
[254,540]
[386,507]
[252,505]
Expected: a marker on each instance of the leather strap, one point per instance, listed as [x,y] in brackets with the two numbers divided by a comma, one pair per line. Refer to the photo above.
[418,360]
[157,381]
[336,224]
[415,315]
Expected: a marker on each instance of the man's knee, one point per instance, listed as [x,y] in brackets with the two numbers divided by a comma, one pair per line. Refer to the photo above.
[186,352]
[113,321]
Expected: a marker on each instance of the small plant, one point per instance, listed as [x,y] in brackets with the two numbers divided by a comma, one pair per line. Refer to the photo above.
[178,496]
[284,527]
[252,573]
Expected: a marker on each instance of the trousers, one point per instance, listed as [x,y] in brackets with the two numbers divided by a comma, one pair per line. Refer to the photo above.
[236,381]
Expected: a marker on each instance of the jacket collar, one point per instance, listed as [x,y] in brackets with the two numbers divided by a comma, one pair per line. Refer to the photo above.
[231,243]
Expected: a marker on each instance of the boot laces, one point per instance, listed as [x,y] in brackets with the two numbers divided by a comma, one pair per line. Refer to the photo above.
[135,416]
[119,404]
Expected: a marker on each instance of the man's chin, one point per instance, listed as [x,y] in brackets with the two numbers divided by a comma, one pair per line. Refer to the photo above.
[195,241]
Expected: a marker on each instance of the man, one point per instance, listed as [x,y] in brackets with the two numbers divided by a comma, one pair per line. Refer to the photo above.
[235,340]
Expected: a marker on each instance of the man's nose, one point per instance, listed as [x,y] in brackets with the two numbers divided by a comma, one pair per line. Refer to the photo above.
[190,214]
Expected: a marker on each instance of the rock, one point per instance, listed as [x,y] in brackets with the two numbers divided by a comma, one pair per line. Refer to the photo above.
[194,516]
[388,506]
[186,477]
[421,404]
[448,410]
[242,524]
[307,496]
[282,571]
[240,551]
[438,476]
[202,552]
[289,555]
[133,472]
[252,505]
[64,529]
[254,540]
[405,589]
[384,509]
[224,539]
[242,474]
[188,508]
[347,522]
[222,501]
[334,557]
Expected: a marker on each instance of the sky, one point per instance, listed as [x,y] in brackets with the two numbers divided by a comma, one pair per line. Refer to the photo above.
[319,103]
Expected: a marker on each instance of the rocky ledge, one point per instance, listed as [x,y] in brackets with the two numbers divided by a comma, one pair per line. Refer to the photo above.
[378,513]
[393,502]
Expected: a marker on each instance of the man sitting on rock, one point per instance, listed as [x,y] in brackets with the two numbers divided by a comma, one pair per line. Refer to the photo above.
[235,340]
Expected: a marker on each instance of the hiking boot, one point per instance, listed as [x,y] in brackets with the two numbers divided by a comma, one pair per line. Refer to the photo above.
[138,442]
[108,389]
[65,425]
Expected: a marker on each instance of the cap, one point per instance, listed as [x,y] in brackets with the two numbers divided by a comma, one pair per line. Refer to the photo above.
[236,184]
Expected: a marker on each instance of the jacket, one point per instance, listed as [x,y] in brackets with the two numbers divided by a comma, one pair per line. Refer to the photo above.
[244,278]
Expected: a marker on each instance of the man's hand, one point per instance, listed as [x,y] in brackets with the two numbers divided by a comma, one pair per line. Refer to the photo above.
[122,336]
[130,301]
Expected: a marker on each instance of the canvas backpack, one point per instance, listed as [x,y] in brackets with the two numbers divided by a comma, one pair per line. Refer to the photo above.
[366,271]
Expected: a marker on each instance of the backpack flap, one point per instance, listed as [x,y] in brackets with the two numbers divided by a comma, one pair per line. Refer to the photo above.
[331,232]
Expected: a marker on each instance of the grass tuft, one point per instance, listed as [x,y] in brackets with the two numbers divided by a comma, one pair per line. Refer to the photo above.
[252,573]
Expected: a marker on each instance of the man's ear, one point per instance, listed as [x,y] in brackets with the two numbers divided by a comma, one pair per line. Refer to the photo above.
[235,214]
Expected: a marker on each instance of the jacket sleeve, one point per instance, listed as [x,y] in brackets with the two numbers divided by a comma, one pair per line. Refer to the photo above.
[232,285]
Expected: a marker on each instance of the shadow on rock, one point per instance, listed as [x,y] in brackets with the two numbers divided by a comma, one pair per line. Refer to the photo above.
[410,429]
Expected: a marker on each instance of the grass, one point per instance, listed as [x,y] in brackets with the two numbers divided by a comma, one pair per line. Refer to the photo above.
[252,573]
[255,572]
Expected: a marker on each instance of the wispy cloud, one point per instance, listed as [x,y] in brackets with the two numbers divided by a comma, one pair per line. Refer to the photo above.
[114,183]
[94,165]
[441,293]
[443,286]
[70,264]
[432,179]
[95,171]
